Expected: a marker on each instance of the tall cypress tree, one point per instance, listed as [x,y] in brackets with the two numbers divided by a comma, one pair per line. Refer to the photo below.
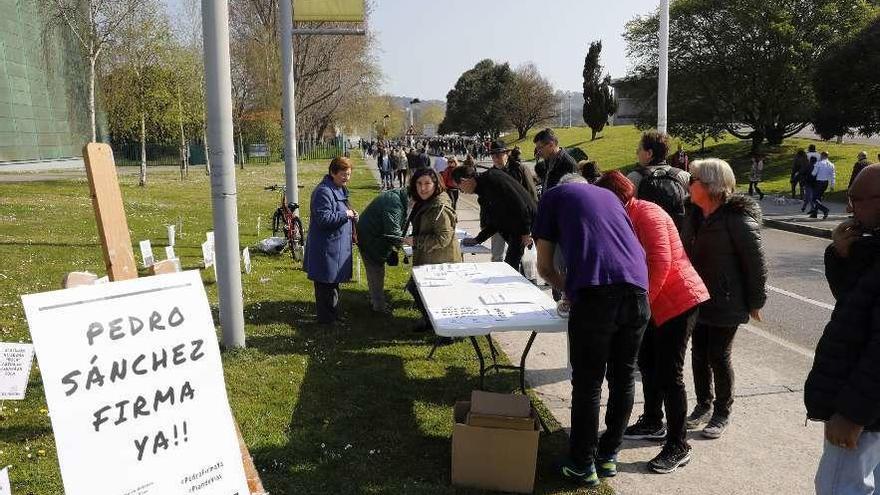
[599,103]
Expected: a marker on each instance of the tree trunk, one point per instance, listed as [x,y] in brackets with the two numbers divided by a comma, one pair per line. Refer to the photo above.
[92,61]
[593,134]
[184,155]
[521,132]
[240,148]
[143,177]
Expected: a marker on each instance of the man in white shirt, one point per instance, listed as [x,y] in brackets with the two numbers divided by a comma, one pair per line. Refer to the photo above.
[825,176]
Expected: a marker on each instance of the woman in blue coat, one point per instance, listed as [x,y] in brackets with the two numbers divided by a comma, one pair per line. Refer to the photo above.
[328,244]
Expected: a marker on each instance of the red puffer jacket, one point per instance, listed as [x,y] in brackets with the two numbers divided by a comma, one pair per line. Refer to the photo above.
[673,284]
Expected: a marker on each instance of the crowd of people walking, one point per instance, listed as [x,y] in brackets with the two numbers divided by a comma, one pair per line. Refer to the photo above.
[645,263]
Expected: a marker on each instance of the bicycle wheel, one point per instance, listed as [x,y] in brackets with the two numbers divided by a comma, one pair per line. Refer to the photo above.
[297,239]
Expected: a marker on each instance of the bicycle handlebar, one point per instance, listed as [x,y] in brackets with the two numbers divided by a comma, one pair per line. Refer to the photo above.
[274,187]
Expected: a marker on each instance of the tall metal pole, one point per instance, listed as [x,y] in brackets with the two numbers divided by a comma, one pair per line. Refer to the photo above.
[288,99]
[663,75]
[569,109]
[218,99]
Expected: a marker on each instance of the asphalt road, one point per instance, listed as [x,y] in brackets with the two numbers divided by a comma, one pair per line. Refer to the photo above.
[799,302]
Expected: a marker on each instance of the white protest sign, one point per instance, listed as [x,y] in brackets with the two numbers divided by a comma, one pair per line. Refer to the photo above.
[5,489]
[147,253]
[134,383]
[15,367]
[171,234]
[169,253]
[246,256]
[208,253]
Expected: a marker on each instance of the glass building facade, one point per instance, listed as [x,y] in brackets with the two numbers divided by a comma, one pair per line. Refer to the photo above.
[43,87]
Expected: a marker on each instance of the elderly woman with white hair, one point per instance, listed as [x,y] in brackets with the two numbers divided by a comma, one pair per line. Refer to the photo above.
[722,237]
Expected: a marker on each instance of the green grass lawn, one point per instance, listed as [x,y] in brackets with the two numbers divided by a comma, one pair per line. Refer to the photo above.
[357,409]
[616,148]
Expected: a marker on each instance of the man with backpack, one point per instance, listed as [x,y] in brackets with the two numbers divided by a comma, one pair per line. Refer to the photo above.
[658,182]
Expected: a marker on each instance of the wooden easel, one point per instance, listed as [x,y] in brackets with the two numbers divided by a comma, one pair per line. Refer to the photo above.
[119,258]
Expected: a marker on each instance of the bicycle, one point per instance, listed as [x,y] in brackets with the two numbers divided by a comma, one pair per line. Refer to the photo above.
[286,221]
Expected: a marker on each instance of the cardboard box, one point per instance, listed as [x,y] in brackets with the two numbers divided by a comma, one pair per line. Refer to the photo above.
[498,459]
[493,404]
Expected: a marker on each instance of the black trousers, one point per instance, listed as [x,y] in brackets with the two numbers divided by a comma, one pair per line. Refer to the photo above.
[710,357]
[327,302]
[753,188]
[661,363]
[515,250]
[605,329]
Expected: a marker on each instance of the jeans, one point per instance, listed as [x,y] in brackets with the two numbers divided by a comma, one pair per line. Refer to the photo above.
[605,328]
[661,362]
[375,283]
[710,357]
[818,193]
[850,472]
[809,192]
[327,302]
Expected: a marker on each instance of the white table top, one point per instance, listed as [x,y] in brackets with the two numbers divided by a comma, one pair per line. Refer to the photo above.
[468,299]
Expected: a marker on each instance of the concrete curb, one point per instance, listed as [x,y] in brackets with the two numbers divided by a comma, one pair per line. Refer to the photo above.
[798,228]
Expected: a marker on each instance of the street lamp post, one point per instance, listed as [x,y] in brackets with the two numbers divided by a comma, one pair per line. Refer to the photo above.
[385,126]
[663,76]
[569,109]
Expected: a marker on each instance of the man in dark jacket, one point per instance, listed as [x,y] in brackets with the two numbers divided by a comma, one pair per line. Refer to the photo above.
[558,161]
[505,207]
[843,388]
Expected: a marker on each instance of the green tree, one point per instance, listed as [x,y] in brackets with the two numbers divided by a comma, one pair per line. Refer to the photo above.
[852,102]
[477,103]
[749,64]
[530,101]
[599,103]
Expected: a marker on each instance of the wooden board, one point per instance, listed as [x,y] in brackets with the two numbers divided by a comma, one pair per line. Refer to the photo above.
[109,212]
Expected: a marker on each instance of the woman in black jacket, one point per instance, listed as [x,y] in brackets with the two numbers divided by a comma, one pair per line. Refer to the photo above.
[722,236]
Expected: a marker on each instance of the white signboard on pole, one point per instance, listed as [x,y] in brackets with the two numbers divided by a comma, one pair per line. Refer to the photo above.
[5,489]
[246,257]
[134,383]
[147,253]
[15,368]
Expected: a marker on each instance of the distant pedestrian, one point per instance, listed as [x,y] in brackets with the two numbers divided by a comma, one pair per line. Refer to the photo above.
[449,183]
[824,177]
[328,255]
[755,173]
[800,162]
[557,161]
[680,159]
[861,162]
[843,387]
[722,237]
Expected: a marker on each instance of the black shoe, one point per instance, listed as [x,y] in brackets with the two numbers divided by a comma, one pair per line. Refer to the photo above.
[761,197]
[698,416]
[643,430]
[824,214]
[670,458]
[814,215]
[716,427]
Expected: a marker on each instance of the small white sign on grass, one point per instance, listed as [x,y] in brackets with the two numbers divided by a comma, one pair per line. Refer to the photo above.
[246,256]
[147,253]
[5,489]
[208,253]
[169,253]
[15,367]
[134,382]
[171,234]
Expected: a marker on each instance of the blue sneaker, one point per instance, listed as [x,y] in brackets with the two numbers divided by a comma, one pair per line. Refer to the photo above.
[606,467]
[579,473]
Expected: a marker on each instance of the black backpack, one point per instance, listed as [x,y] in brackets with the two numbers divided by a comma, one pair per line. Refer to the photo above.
[661,186]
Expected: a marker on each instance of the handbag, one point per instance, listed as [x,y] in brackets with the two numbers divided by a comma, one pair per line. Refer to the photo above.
[393,258]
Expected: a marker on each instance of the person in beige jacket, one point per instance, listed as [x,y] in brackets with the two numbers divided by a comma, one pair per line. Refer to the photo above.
[433,223]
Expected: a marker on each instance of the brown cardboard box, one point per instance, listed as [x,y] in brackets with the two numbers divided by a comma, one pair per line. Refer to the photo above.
[493,458]
[503,422]
[493,404]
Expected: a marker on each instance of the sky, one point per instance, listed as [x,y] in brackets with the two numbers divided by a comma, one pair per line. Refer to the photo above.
[425,45]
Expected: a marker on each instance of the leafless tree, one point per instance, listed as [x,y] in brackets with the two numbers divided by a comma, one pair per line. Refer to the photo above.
[531,100]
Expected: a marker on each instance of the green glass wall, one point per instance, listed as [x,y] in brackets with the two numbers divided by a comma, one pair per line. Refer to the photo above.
[43,87]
